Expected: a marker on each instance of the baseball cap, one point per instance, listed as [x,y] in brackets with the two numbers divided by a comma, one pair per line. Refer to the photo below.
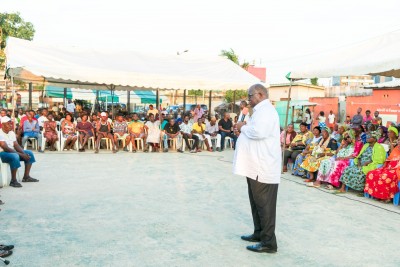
[103,114]
[5,119]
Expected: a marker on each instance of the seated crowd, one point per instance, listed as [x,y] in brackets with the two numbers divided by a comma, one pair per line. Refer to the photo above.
[361,156]
[158,131]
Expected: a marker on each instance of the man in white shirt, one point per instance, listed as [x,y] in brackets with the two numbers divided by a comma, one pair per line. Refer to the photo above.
[186,131]
[12,153]
[43,118]
[152,110]
[71,107]
[258,157]
[212,130]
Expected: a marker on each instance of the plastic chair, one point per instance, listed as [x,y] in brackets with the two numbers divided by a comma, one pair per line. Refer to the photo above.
[34,143]
[173,143]
[5,178]
[396,199]
[139,144]
[91,140]
[191,142]
[62,142]
[56,143]
[227,138]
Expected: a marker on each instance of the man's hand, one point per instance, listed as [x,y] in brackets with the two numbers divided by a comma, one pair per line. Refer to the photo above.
[24,156]
[239,125]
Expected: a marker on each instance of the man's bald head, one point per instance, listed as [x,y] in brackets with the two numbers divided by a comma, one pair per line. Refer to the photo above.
[213,121]
[256,94]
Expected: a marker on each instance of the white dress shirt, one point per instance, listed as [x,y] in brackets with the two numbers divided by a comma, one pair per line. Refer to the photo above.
[258,154]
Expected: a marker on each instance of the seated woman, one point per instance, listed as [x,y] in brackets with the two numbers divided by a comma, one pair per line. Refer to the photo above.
[324,150]
[50,132]
[331,169]
[338,133]
[68,131]
[297,169]
[290,134]
[85,130]
[371,156]
[382,183]
[391,141]
[383,134]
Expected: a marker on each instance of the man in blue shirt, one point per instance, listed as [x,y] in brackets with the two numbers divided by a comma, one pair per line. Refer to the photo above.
[32,130]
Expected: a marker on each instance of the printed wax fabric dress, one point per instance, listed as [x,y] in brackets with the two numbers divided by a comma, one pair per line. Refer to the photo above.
[354,176]
[383,183]
[331,169]
[297,169]
[311,163]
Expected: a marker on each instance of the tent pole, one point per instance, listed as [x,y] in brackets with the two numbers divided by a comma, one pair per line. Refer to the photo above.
[112,101]
[157,98]
[128,105]
[65,97]
[30,93]
[13,102]
[234,101]
[184,101]
[209,103]
[286,120]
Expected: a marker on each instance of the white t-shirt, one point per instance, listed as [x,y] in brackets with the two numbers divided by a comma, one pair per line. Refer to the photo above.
[308,118]
[331,118]
[41,120]
[321,119]
[9,138]
[71,107]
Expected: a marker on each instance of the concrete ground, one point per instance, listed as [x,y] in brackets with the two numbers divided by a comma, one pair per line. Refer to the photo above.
[170,209]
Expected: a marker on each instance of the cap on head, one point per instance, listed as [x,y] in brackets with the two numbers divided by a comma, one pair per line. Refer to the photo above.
[5,119]
[103,114]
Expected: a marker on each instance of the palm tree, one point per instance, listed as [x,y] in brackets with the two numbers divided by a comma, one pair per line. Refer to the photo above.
[231,55]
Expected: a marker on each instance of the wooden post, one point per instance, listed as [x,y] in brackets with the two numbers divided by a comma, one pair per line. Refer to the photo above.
[65,97]
[234,101]
[209,103]
[128,105]
[157,99]
[30,95]
[286,121]
[184,101]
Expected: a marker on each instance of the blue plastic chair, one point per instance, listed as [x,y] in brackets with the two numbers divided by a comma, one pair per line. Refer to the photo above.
[396,199]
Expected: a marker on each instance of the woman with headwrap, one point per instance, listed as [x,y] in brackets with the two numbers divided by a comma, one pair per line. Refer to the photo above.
[331,169]
[310,143]
[371,156]
[382,183]
[383,134]
[324,150]
[391,141]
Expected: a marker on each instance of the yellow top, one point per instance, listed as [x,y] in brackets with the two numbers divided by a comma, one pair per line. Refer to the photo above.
[135,127]
[199,129]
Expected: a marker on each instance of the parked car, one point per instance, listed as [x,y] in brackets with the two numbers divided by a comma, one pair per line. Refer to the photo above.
[174,108]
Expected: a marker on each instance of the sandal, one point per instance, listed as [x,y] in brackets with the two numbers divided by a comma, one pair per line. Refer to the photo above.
[308,180]
[311,184]
[329,187]
[6,247]
[336,192]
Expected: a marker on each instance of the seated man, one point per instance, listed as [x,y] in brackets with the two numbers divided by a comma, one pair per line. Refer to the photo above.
[199,130]
[212,132]
[104,131]
[12,153]
[171,131]
[136,130]
[186,131]
[121,131]
[32,130]
[85,130]
[152,128]
[226,129]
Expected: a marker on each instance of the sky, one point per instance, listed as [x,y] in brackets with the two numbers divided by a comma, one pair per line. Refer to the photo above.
[267,33]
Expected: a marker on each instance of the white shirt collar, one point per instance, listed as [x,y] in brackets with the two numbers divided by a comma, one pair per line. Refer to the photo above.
[262,103]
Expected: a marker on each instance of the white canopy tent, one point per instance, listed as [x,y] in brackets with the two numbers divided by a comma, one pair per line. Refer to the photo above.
[123,70]
[375,56]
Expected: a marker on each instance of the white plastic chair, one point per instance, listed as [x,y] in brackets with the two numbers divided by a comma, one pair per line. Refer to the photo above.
[227,138]
[34,143]
[191,142]
[5,178]
[139,144]
[62,142]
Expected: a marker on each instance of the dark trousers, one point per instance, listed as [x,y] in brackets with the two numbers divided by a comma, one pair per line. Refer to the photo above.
[194,137]
[290,154]
[231,135]
[263,208]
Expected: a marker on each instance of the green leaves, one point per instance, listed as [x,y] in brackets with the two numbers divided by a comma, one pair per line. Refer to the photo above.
[11,24]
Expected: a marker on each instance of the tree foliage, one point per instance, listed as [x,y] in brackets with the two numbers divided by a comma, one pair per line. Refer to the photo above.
[240,94]
[11,24]
[314,81]
[231,55]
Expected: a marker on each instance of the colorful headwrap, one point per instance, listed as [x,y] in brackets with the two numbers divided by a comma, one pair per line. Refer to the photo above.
[394,129]
[373,135]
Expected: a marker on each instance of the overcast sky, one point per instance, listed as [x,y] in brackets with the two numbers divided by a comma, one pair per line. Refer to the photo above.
[268,33]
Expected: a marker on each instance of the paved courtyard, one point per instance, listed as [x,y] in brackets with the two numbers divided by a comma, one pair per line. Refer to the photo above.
[173,209]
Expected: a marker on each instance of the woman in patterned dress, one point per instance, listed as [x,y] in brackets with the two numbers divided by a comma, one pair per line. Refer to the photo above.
[310,143]
[371,156]
[383,183]
[68,131]
[50,132]
[324,150]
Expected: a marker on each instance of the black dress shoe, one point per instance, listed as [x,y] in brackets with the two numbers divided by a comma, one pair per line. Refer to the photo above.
[30,180]
[5,253]
[6,247]
[261,248]
[15,184]
[250,238]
